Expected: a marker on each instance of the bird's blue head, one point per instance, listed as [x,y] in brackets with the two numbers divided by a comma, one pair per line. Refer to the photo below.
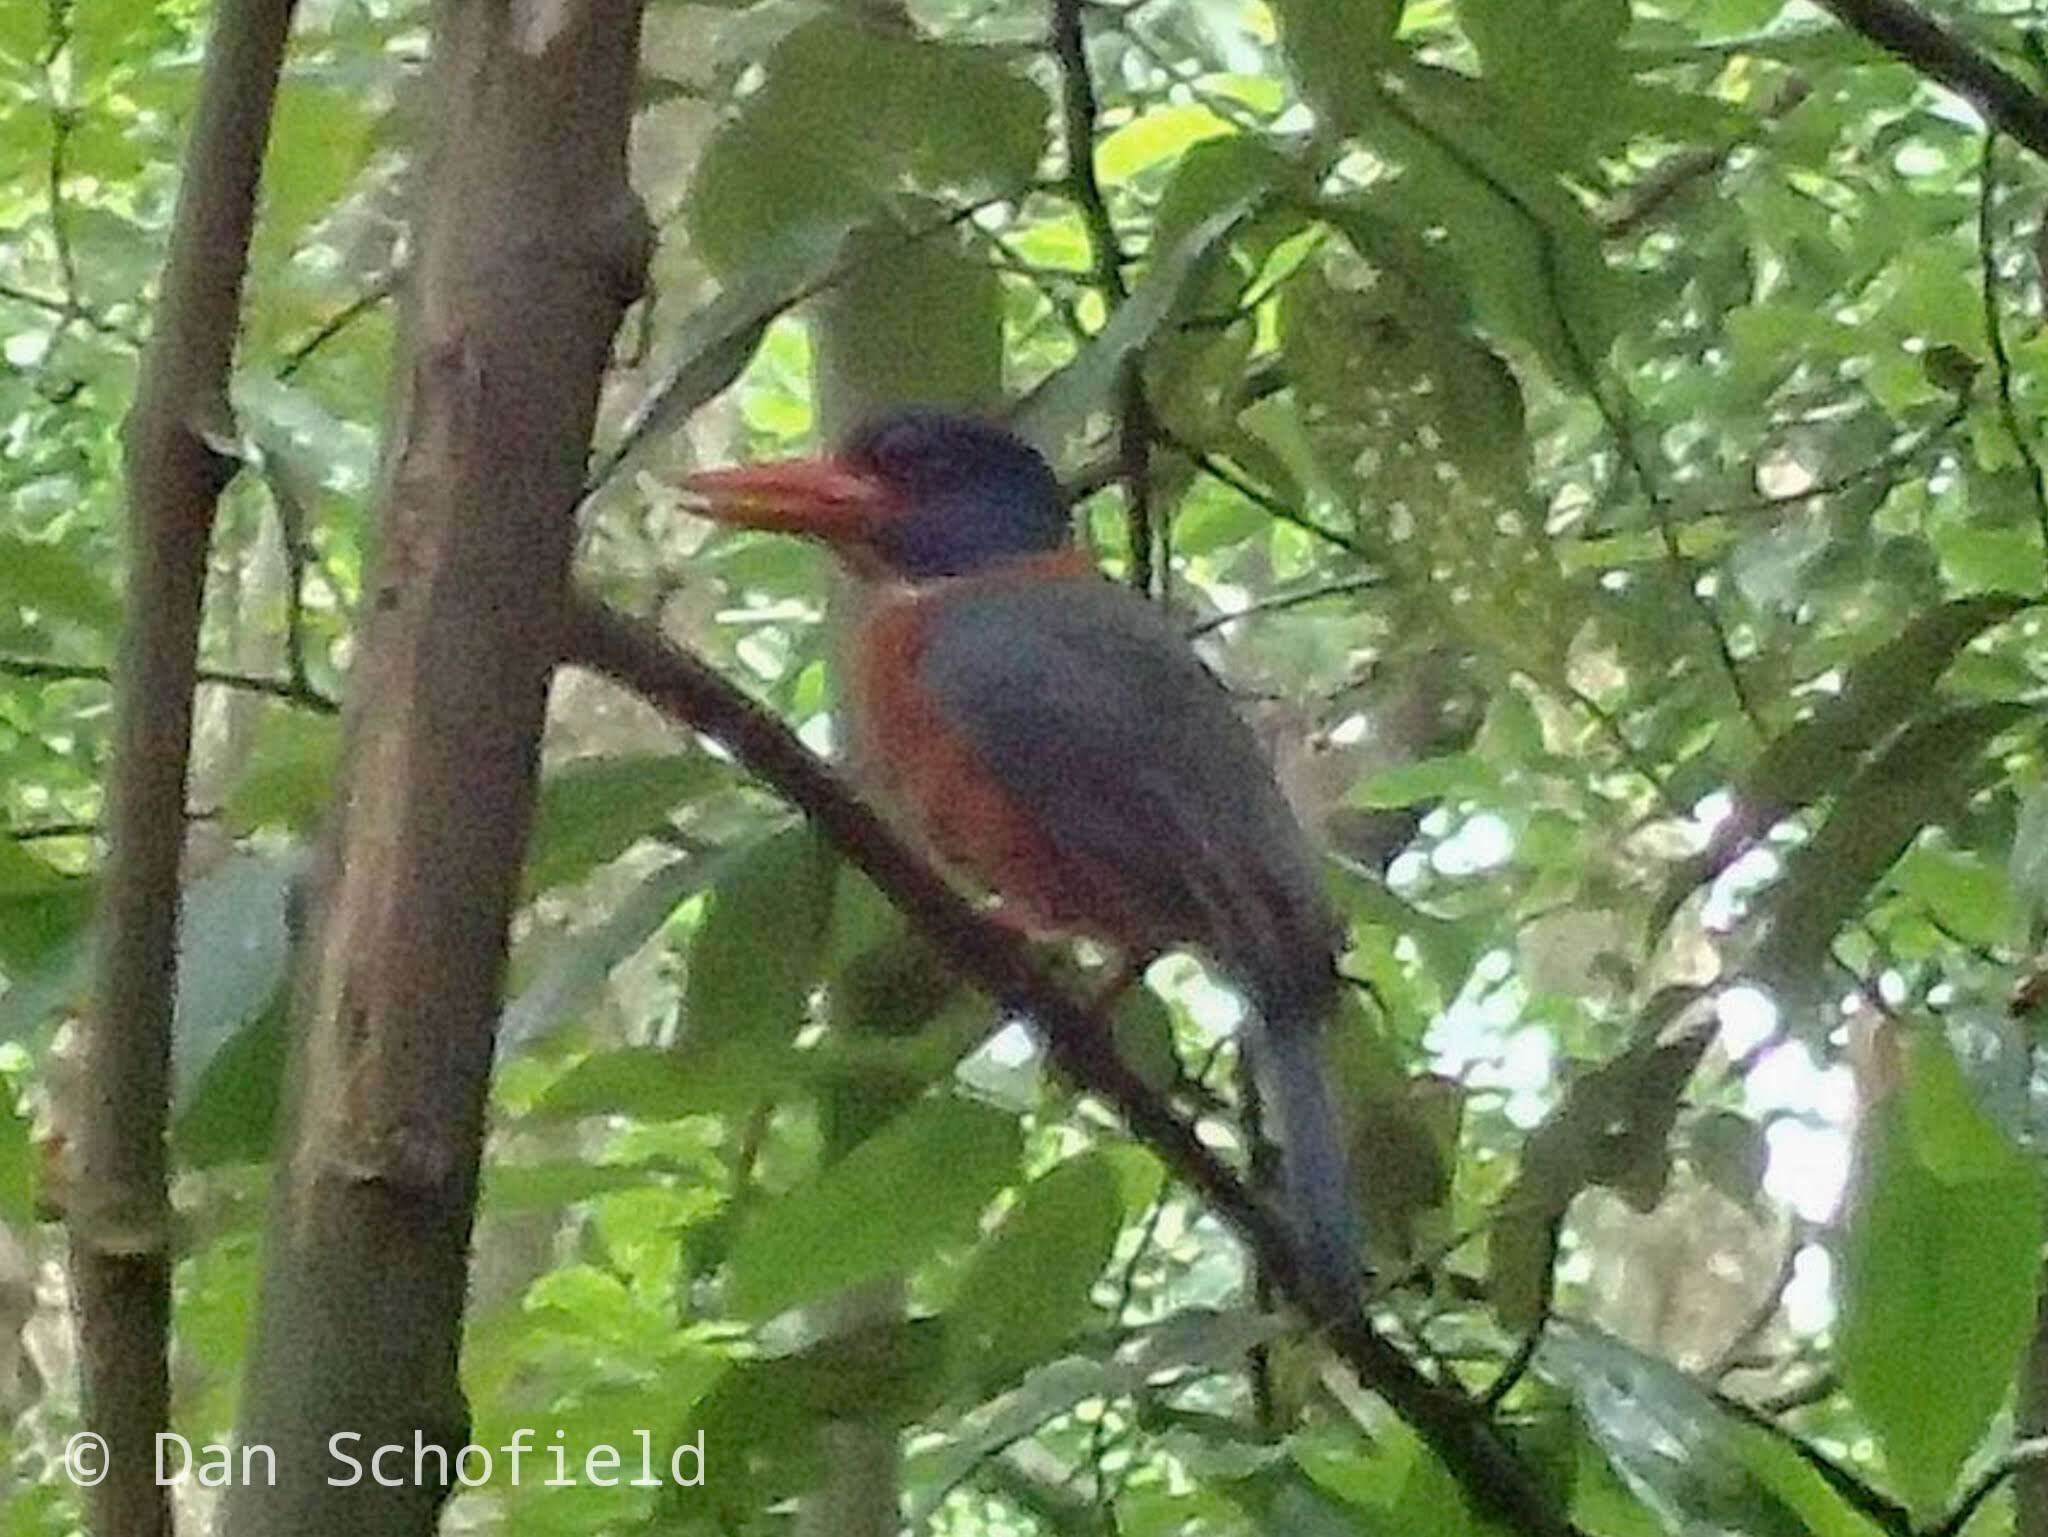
[923,494]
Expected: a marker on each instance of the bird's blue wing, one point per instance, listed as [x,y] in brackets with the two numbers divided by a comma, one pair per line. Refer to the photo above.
[1100,721]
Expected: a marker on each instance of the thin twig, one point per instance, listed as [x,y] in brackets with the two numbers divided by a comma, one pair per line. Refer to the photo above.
[84,829]
[65,310]
[1136,428]
[1818,1388]
[1219,469]
[1052,283]
[1281,602]
[1729,1357]
[54,830]
[1636,205]
[302,695]
[1611,728]
[298,553]
[63,120]
[1900,456]
[1994,331]
[1187,78]
[300,353]
[1516,1369]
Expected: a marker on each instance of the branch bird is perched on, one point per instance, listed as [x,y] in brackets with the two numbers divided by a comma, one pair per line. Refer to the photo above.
[1055,739]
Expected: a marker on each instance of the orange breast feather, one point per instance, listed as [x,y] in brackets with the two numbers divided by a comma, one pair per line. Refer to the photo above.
[955,800]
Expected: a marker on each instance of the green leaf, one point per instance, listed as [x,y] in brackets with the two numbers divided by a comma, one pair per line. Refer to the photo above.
[1154,136]
[1143,1027]
[1056,415]
[233,946]
[1555,66]
[771,1412]
[1192,1338]
[2029,860]
[1922,774]
[1449,777]
[1940,1272]
[43,578]
[1995,560]
[1967,896]
[17,1164]
[228,1112]
[656,1083]
[105,34]
[848,112]
[554,1184]
[23,31]
[320,137]
[1395,363]
[949,299]
[1026,1292]
[1529,255]
[1819,755]
[911,1189]
[758,955]
[1680,1453]
[575,967]
[1220,174]
[713,347]
[41,909]
[1337,48]
[594,809]
[289,775]
[1613,1128]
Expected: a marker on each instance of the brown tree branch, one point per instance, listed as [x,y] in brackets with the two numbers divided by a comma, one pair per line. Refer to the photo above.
[118,1209]
[1929,46]
[637,655]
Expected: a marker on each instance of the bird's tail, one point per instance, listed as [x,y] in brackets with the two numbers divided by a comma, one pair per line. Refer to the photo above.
[1301,1115]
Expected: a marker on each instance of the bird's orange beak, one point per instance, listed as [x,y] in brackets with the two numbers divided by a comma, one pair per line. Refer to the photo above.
[823,497]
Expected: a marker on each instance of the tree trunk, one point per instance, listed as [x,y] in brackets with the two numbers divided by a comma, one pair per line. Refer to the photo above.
[531,245]
[117,1193]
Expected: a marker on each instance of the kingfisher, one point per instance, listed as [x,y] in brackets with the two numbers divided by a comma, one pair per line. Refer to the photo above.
[1056,741]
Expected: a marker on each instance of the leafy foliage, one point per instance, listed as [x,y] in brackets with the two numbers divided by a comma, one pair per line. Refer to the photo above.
[1601,443]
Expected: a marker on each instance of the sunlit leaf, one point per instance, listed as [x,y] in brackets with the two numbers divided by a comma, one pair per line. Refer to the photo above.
[1145,141]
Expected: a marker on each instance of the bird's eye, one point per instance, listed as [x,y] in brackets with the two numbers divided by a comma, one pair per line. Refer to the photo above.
[897,453]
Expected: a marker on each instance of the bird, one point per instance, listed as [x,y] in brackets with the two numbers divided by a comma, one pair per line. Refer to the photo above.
[1053,738]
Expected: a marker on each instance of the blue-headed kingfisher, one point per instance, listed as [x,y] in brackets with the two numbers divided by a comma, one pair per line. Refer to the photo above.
[1055,739]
